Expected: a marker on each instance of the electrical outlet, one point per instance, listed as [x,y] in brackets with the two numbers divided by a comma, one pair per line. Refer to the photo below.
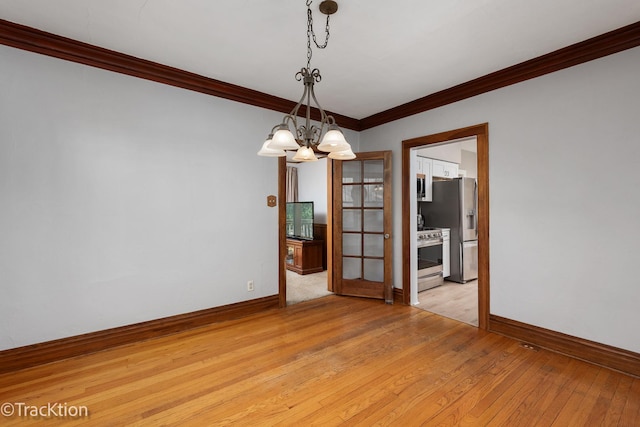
[250,286]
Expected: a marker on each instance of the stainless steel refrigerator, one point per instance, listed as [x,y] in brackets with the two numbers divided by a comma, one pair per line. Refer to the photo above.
[455,206]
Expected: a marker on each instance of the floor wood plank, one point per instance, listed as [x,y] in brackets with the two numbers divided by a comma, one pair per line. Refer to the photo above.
[330,361]
[458,301]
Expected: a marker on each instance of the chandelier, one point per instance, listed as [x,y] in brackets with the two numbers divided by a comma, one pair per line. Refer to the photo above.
[306,137]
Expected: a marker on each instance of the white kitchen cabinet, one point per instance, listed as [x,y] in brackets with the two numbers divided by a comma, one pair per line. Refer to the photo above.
[423,164]
[444,169]
[446,255]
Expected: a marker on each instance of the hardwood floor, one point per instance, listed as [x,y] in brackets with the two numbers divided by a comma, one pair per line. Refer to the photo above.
[456,301]
[329,361]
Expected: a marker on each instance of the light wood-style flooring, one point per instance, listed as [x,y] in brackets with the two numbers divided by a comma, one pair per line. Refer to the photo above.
[457,301]
[330,361]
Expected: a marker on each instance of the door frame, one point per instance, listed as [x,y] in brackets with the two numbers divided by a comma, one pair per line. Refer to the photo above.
[282,237]
[481,132]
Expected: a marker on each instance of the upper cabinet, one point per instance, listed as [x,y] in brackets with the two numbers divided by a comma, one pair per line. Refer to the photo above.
[427,169]
[444,169]
[420,167]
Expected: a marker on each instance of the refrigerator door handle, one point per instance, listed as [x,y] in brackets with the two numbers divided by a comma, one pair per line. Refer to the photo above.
[461,208]
[475,207]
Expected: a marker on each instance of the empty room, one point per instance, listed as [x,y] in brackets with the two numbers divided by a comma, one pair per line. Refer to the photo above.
[168,170]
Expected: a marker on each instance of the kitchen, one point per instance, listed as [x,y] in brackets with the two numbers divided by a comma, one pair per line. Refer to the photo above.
[446,230]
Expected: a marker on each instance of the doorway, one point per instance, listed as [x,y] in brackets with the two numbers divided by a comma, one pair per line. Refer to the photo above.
[374,277]
[480,132]
[306,228]
[455,294]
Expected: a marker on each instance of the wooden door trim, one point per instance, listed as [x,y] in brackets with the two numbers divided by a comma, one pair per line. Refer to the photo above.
[481,132]
[330,260]
[282,223]
[388,228]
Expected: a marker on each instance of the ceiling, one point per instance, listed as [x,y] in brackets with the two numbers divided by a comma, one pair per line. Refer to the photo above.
[381,54]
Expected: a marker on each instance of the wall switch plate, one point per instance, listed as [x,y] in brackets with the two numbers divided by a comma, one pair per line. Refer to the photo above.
[271,201]
[250,286]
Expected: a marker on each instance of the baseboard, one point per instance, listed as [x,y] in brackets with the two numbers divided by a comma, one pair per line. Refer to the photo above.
[398,295]
[51,351]
[589,351]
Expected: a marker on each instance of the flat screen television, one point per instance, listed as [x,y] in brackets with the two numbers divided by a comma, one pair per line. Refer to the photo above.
[300,220]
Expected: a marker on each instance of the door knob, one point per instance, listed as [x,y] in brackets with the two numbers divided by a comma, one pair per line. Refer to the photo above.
[386,236]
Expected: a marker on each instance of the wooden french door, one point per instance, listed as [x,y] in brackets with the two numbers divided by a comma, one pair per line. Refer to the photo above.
[361,226]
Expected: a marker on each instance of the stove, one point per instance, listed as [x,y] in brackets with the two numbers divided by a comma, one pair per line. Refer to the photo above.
[430,257]
[429,236]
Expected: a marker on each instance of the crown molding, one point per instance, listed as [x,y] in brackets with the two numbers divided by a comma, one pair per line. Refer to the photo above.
[597,47]
[34,40]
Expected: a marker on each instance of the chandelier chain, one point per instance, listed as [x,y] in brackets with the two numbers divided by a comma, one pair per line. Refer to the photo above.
[312,35]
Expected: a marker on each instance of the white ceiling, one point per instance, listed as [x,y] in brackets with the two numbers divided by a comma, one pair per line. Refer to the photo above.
[381,53]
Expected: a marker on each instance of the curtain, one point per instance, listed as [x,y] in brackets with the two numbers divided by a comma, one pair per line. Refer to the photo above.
[292,184]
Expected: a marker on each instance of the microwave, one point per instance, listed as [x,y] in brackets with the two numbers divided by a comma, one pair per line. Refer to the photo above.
[420,186]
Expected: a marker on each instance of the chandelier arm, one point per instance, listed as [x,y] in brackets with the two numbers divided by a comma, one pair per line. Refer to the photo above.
[289,118]
[331,120]
[308,86]
[295,110]
[324,118]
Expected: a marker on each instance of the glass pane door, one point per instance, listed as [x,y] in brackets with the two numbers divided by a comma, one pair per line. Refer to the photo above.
[363,227]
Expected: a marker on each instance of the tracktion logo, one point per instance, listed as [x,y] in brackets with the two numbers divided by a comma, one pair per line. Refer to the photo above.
[49,410]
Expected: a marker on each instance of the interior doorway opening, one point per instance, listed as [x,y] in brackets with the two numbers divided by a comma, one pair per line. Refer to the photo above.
[357,231]
[448,169]
[305,253]
[410,187]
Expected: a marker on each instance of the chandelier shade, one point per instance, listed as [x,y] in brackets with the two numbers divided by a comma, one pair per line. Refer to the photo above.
[334,140]
[270,152]
[303,137]
[342,155]
[305,154]
[283,139]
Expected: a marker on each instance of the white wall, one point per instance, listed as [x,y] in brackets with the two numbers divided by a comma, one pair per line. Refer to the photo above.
[469,163]
[312,186]
[124,200]
[449,152]
[564,199]
[118,206]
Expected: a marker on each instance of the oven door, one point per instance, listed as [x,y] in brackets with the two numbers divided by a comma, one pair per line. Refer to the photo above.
[429,277]
[430,265]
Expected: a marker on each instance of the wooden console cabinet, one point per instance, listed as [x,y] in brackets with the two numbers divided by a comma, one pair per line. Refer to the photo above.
[304,256]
